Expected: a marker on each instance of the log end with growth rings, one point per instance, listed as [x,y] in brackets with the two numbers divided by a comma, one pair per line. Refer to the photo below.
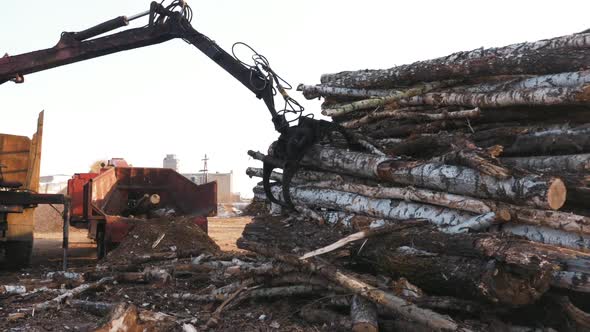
[556,194]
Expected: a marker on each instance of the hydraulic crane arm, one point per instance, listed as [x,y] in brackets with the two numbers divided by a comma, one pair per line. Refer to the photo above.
[165,24]
[173,21]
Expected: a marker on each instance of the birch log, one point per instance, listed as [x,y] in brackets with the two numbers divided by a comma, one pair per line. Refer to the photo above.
[377,208]
[545,193]
[533,97]
[549,236]
[555,164]
[378,102]
[319,90]
[563,80]
[568,222]
[561,54]
[416,116]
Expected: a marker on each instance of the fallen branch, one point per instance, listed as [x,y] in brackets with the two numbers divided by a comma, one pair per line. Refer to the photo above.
[351,238]
[74,292]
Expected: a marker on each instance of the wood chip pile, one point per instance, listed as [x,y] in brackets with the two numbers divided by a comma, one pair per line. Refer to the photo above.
[465,195]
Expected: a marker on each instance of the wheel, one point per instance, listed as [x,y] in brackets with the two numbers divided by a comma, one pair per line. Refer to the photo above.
[101,248]
[17,254]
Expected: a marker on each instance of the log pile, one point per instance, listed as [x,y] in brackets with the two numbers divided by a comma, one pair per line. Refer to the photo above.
[467,202]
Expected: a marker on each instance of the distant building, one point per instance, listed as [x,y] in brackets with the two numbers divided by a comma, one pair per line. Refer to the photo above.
[53,184]
[224,184]
[171,162]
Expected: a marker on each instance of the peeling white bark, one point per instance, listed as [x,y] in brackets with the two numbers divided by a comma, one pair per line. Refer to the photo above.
[549,236]
[545,193]
[377,208]
[477,223]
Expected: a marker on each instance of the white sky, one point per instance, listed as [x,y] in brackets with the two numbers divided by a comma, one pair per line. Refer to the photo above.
[170,98]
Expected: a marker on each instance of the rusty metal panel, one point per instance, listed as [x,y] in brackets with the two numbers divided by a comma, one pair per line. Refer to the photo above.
[102,186]
[76,192]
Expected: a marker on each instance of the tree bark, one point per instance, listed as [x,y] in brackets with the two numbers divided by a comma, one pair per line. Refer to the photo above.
[320,90]
[377,208]
[533,97]
[575,281]
[561,54]
[553,141]
[416,116]
[549,236]
[545,193]
[554,164]
[469,278]
[373,103]
[563,80]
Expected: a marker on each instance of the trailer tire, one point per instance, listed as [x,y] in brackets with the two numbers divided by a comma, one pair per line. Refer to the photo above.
[17,254]
[101,248]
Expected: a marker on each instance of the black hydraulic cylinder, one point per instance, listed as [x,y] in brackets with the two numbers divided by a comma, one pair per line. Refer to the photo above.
[117,22]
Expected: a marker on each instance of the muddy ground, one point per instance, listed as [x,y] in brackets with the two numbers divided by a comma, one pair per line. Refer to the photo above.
[253,315]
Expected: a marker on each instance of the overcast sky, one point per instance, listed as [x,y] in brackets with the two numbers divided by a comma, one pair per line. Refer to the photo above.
[170,98]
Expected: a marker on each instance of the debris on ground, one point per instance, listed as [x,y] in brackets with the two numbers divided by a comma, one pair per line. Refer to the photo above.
[161,236]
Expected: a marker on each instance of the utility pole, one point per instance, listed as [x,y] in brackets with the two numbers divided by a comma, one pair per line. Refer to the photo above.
[205,170]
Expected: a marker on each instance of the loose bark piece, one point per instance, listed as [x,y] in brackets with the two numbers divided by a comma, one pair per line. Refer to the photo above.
[561,54]
[388,300]
[553,164]
[363,315]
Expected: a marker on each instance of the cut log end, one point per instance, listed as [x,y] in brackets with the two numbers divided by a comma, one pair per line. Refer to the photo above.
[364,327]
[503,214]
[556,194]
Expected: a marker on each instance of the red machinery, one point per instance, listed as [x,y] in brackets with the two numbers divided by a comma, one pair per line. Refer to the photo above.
[99,201]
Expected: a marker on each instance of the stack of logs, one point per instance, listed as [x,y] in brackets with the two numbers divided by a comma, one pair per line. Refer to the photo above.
[467,180]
